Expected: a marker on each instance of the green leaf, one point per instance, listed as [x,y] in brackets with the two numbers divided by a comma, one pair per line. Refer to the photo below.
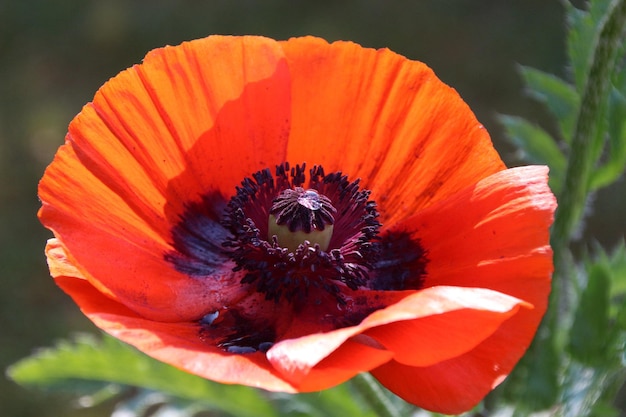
[559,96]
[89,361]
[615,163]
[618,287]
[620,315]
[602,409]
[96,397]
[537,146]
[590,330]
[147,403]
[617,265]
[178,410]
[333,402]
[141,404]
[542,385]
[535,382]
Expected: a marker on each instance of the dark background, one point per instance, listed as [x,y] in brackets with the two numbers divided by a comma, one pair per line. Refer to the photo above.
[55,54]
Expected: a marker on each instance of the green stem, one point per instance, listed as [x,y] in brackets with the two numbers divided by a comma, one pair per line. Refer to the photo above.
[545,349]
[374,395]
[573,198]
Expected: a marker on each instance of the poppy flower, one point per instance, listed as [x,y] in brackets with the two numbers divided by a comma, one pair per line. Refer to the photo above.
[286,215]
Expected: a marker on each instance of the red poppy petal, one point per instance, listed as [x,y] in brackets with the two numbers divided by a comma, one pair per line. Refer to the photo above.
[348,360]
[457,385]
[421,311]
[119,256]
[158,112]
[154,298]
[374,114]
[448,387]
[437,337]
[116,187]
[239,87]
[495,235]
[178,344]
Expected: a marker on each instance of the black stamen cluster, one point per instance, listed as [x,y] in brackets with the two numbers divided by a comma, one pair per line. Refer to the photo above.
[279,272]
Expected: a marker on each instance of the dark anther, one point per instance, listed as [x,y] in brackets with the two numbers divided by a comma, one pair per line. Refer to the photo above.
[282,265]
[401,264]
[237,334]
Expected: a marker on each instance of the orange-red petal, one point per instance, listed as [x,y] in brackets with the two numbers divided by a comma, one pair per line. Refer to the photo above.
[156,137]
[450,387]
[451,321]
[342,364]
[458,384]
[376,115]
[495,235]
[179,344]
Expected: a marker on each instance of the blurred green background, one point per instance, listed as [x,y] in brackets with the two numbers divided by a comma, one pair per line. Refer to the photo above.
[55,54]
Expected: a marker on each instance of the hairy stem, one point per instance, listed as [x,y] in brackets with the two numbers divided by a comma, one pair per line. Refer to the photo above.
[374,395]
[582,158]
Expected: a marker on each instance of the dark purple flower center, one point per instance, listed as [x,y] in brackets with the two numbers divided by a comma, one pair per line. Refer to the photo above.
[290,234]
[289,237]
